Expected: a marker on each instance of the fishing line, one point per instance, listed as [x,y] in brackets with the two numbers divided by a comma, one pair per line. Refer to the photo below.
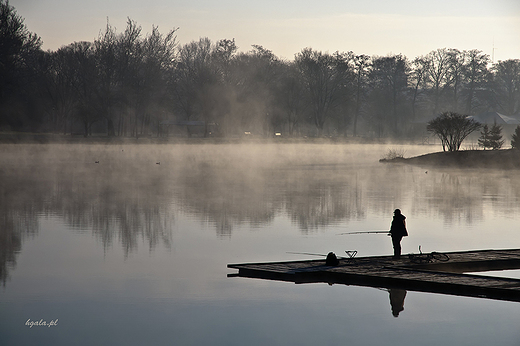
[363,232]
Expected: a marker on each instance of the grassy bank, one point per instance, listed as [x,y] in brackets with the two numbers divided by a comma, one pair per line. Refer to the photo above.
[506,158]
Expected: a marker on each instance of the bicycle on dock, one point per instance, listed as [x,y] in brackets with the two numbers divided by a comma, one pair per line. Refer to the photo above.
[423,258]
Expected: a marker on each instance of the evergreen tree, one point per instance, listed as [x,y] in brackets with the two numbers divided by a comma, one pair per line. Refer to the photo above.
[495,139]
[515,138]
[484,140]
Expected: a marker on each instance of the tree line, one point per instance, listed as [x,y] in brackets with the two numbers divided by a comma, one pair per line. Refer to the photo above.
[129,83]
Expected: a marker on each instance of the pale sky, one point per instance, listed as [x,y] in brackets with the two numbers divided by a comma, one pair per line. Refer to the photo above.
[372,27]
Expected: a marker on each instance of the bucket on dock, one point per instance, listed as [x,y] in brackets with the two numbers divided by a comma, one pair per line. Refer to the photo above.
[332,260]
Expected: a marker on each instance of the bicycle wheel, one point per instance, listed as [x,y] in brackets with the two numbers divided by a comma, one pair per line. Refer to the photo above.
[440,256]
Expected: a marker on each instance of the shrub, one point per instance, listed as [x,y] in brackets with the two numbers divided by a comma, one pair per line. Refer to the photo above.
[392,154]
[452,129]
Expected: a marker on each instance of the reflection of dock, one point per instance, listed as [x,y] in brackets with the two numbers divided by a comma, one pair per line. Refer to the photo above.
[381,271]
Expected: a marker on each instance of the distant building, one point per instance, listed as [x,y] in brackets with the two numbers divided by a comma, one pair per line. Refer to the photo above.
[507,122]
[495,117]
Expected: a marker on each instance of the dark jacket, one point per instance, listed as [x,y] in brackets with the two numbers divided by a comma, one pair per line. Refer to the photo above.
[398,228]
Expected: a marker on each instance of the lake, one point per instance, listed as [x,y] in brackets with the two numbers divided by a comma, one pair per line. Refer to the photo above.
[127,244]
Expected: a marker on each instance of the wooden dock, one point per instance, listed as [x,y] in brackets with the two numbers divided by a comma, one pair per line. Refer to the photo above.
[445,275]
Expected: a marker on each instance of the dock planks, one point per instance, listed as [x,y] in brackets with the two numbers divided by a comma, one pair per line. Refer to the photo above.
[445,277]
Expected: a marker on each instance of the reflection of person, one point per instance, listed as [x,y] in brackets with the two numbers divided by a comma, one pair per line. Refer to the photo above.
[397,232]
[397,300]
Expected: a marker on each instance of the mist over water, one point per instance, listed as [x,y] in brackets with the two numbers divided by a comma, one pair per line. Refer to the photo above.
[129,243]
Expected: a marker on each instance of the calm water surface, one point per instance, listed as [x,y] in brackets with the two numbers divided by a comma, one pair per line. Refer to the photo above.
[132,250]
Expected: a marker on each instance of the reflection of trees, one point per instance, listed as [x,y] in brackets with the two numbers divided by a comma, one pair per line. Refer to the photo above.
[316,197]
[386,188]
[227,197]
[462,195]
[10,242]
[128,198]
[18,216]
[114,206]
[313,196]
[118,201]
[450,195]
[456,197]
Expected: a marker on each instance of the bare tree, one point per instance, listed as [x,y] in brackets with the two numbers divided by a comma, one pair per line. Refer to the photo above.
[56,85]
[438,74]
[475,73]
[81,57]
[389,81]
[455,75]
[18,49]
[193,74]
[452,129]
[290,97]
[417,81]
[105,53]
[507,86]
[133,75]
[157,55]
[256,76]
[324,76]
[362,64]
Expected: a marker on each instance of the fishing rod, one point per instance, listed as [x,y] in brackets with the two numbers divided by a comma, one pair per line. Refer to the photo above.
[363,232]
[314,254]
[307,253]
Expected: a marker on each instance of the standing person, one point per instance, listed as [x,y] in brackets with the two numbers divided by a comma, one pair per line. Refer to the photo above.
[397,232]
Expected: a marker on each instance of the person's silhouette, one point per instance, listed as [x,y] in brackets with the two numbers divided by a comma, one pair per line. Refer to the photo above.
[397,232]
[397,300]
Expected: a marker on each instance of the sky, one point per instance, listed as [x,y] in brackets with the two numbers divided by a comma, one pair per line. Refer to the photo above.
[372,27]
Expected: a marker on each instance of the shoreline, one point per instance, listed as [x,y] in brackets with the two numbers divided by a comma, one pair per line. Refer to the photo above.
[503,158]
[49,138]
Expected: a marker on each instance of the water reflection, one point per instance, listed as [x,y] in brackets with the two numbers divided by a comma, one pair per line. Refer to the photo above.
[119,203]
[126,196]
[397,300]
[18,217]
[226,197]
